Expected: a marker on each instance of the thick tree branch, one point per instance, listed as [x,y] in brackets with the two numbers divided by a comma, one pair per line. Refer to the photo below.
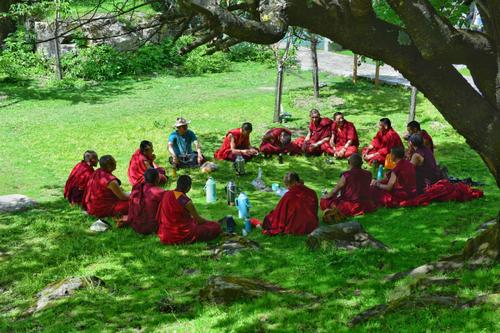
[436,38]
[270,29]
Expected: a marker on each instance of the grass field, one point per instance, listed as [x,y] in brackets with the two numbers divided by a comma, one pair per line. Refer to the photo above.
[44,132]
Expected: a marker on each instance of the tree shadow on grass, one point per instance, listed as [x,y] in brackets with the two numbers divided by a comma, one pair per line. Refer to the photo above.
[93,94]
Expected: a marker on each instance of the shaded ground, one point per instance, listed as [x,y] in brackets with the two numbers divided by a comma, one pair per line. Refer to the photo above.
[43,137]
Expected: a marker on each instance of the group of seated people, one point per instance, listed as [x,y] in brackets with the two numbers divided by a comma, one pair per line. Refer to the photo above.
[413,178]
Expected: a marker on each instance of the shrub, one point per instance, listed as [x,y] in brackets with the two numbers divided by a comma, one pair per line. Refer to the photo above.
[251,52]
[99,63]
[17,59]
[197,62]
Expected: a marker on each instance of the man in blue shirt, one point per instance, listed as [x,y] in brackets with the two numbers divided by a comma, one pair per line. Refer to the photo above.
[180,144]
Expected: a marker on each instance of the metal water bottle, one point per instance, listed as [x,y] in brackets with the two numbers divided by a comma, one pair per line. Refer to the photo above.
[243,205]
[380,172]
[239,165]
[210,190]
[231,193]
[248,225]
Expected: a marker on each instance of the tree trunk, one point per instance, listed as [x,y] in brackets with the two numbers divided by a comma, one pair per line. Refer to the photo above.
[279,94]
[413,104]
[377,75]
[59,71]
[355,69]
[315,70]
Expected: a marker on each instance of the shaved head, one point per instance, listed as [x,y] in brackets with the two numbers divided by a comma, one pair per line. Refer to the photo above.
[107,162]
[90,157]
[355,160]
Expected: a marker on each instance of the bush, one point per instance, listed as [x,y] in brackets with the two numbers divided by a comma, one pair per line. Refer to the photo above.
[98,63]
[17,59]
[251,52]
[198,63]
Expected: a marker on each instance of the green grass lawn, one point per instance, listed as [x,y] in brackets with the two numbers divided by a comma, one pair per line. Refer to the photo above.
[45,131]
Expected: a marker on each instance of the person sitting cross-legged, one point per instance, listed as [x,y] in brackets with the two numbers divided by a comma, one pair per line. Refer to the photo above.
[143,159]
[278,141]
[296,213]
[144,200]
[180,144]
[352,194]
[104,197]
[79,177]
[381,145]
[426,169]
[400,183]
[412,128]
[179,222]
[318,134]
[237,143]
[344,140]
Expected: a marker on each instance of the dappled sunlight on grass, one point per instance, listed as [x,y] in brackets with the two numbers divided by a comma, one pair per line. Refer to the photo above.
[51,129]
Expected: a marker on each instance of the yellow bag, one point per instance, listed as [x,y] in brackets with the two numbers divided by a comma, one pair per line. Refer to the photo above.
[389,163]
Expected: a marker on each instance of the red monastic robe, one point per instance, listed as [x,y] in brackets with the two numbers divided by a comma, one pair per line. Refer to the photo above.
[382,143]
[242,142]
[144,201]
[404,189]
[77,182]
[355,197]
[177,226]
[99,200]
[273,144]
[442,191]
[296,213]
[136,169]
[318,133]
[342,135]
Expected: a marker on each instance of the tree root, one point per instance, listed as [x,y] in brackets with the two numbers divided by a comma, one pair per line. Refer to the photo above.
[414,301]
[480,251]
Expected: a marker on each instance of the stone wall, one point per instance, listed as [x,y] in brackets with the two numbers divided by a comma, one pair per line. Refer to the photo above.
[124,34]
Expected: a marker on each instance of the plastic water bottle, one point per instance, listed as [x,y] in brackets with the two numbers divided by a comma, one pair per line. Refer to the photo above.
[280,158]
[211,194]
[244,233]
[259,175]
[380,172]
[248,225]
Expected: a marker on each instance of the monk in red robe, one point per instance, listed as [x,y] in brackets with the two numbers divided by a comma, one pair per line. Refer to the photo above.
[344,140]
[297,211]
[278,141]
[104,197]
[352,194]
[386,139]
[144,200]
[319,132]
[143,159]
[426,169]
[179,222]
[237,142]
[79,177]
[412,128]
[400,183]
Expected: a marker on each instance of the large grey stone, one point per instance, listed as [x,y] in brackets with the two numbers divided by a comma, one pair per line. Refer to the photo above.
[15,202]
[63,288]
[347,235]
[235,244]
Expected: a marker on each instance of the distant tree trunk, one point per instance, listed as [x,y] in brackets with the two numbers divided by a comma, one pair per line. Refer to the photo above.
[377,75]
[315,70]
[413,104]
[280,67]
[59,71]
[355,69]
[278,95]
